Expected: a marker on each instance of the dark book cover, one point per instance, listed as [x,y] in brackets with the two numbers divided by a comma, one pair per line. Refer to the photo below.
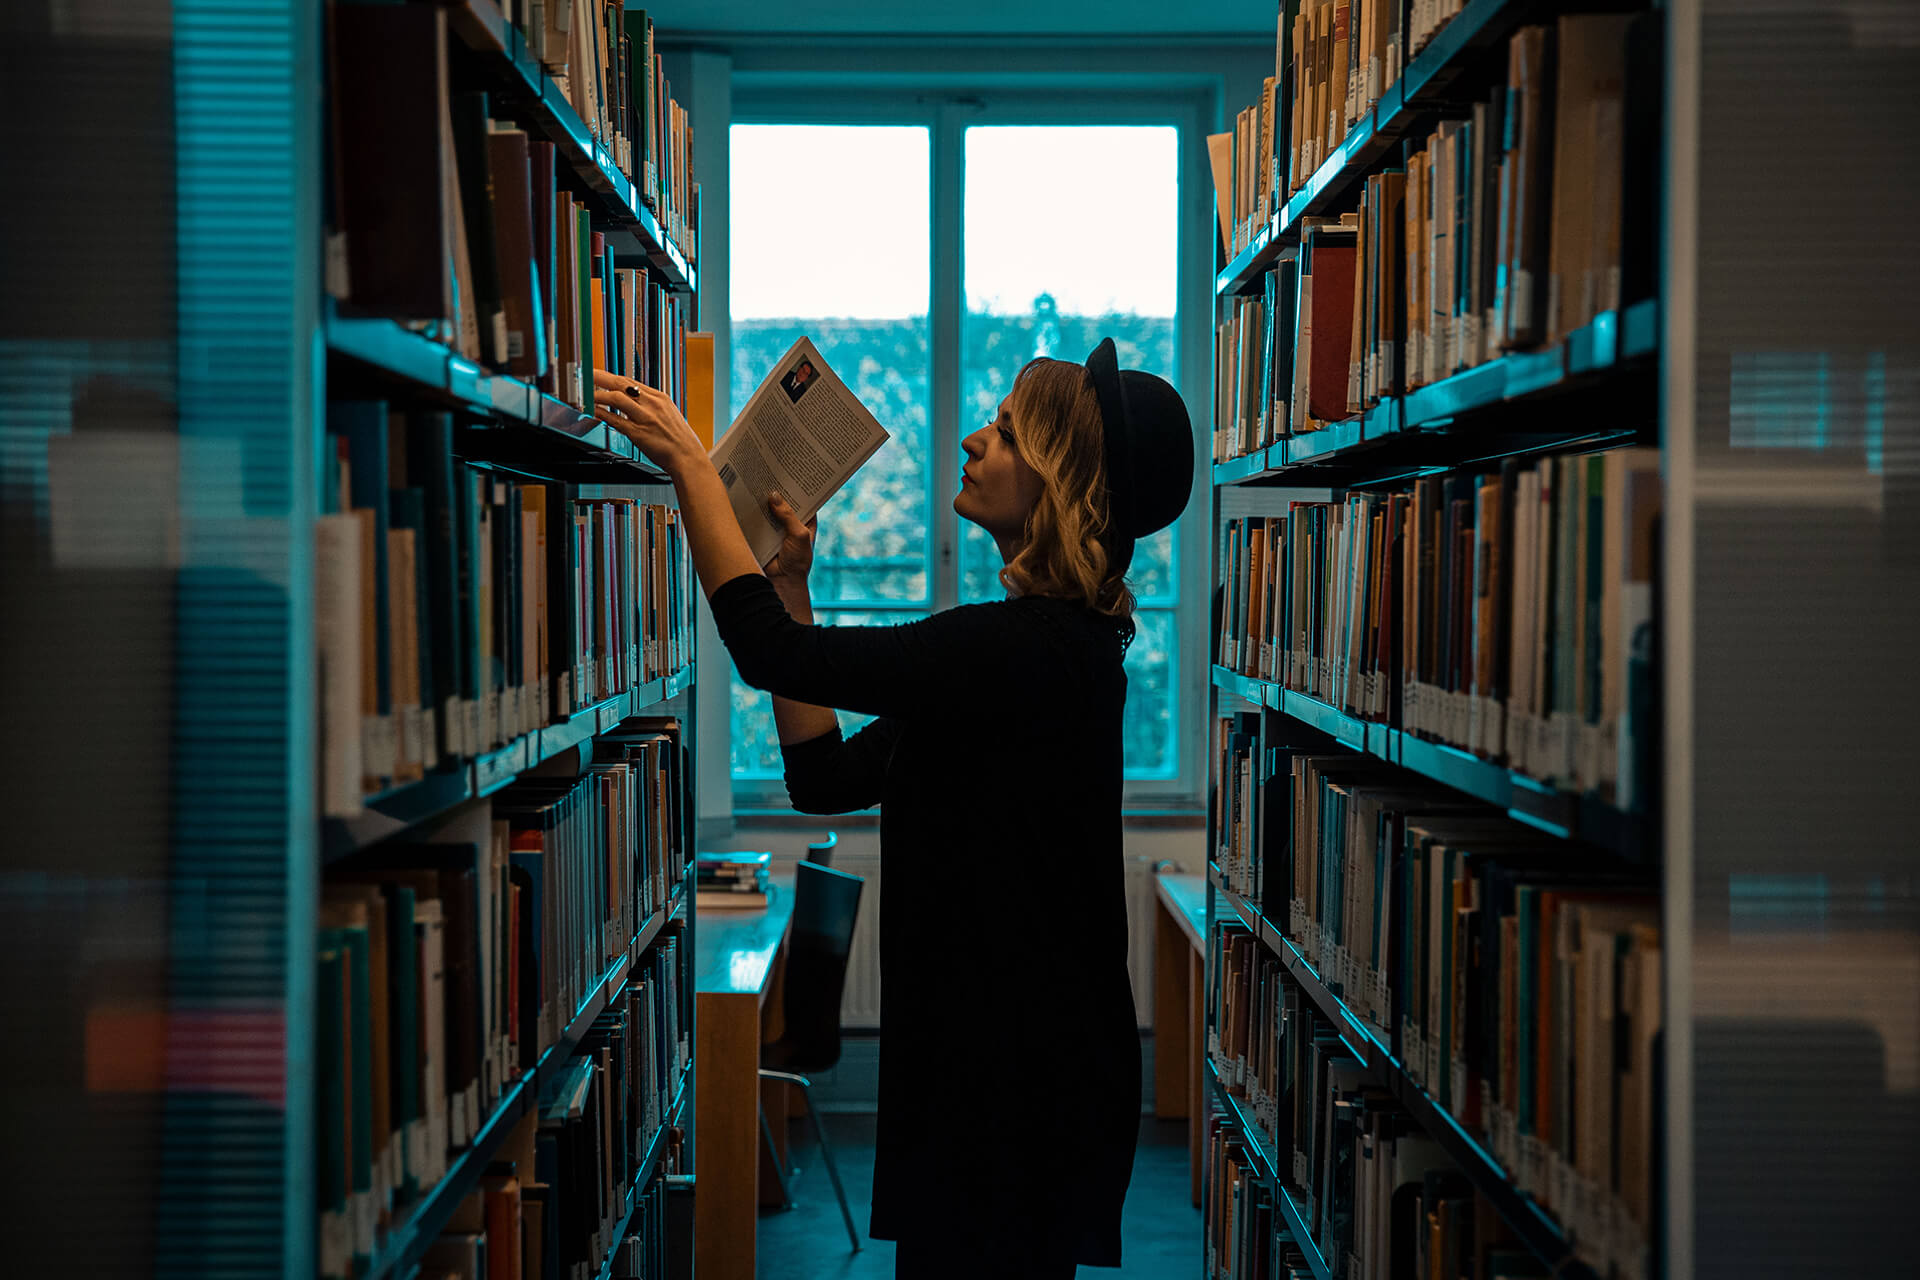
[1642,148]
[562,586]
[1503,562]
[470,665]
[500,527]
[542,193]
[517,578]
[472,160]
[1593,469]
[430,466]
[513,206]
[393,92]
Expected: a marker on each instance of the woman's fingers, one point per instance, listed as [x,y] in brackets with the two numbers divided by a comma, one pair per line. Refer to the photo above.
[607,379]
[785,515]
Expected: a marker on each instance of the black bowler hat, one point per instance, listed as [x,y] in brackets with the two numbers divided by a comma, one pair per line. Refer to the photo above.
[1149,450]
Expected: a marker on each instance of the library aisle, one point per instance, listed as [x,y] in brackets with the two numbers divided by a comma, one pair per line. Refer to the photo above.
[1367,550]
[807,1242]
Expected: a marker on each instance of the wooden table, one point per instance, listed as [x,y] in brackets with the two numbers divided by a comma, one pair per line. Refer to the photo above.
[1180,1009]
[738,960]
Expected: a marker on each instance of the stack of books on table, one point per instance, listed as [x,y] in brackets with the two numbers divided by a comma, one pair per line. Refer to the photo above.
[732,881]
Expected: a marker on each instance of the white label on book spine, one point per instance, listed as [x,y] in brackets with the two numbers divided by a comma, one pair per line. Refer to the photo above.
[1457,1086]
[1586,774]
[419,1168]
[1560,1186]
[336,1243]
[490,719]
[411,751]
[380,744]
[360,1205]
[339,279]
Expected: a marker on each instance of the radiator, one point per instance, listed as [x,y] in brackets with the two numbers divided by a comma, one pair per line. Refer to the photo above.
[1140,932]
[860,1003]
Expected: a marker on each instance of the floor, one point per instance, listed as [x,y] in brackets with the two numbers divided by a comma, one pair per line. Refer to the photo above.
[1160,1230]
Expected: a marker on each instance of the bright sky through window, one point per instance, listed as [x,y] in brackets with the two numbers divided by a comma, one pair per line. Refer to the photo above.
[829,220]
[798,191]
[1022,180]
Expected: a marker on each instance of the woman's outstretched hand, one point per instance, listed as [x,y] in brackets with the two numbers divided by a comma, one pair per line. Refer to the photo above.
[649,418]
[794,560]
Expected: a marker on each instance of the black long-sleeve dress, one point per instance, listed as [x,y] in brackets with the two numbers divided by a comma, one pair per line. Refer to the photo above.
[1009,1056]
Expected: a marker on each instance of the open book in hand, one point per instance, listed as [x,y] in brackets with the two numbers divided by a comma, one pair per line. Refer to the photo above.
[802,433]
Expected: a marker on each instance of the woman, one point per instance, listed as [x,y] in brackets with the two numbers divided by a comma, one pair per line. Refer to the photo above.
[1010,1061]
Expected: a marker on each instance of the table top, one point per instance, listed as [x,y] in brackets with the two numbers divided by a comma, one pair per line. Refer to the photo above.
[734,950]
[1185,895]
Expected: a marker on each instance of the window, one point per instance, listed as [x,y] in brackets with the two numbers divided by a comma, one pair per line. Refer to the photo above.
[1064,233]
[795,188]
[1043,278]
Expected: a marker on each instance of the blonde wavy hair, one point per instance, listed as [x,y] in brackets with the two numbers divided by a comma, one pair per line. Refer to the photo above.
[1065,551]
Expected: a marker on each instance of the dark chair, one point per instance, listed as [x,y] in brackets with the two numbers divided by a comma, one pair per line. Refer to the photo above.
[820,852]
[826,904]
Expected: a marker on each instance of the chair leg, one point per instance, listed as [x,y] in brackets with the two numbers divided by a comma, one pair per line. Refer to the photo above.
[833,1170]
[786,1175]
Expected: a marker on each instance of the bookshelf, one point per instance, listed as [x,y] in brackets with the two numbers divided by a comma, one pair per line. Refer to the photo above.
[1353,684]
[558,747]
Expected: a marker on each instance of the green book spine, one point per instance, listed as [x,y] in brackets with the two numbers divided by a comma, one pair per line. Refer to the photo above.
[331,1175]
[583,240]
[1527,911]
[360,1060]
[1440,1080]
[471,664]
[404,1001]
[1596,491]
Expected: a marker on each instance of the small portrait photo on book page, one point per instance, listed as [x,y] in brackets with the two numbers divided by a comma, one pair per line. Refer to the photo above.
[798,379]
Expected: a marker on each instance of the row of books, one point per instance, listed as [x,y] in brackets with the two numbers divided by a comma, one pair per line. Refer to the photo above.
[603,58]
[448,968]
[560,1213]
[1520,981]
[1401,1209]
[458,608]
[1332,61]
[1517,983]
[1240,782]
[464,228]
[1502,230]
[1241,1219]
[1508,614]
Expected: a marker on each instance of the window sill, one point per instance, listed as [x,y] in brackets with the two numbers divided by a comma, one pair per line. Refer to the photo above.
[1162,819]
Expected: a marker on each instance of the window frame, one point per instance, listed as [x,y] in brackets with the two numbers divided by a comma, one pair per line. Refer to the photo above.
[947,111]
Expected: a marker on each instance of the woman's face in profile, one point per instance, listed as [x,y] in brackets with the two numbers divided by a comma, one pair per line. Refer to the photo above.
[997,487]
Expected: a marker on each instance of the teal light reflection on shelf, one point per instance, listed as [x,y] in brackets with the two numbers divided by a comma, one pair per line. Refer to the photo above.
[1769,903]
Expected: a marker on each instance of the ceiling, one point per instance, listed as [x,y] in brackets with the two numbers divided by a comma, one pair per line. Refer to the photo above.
[1014,19]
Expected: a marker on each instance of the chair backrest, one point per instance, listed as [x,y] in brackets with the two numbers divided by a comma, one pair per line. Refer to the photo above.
[826,905]
[820,852]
